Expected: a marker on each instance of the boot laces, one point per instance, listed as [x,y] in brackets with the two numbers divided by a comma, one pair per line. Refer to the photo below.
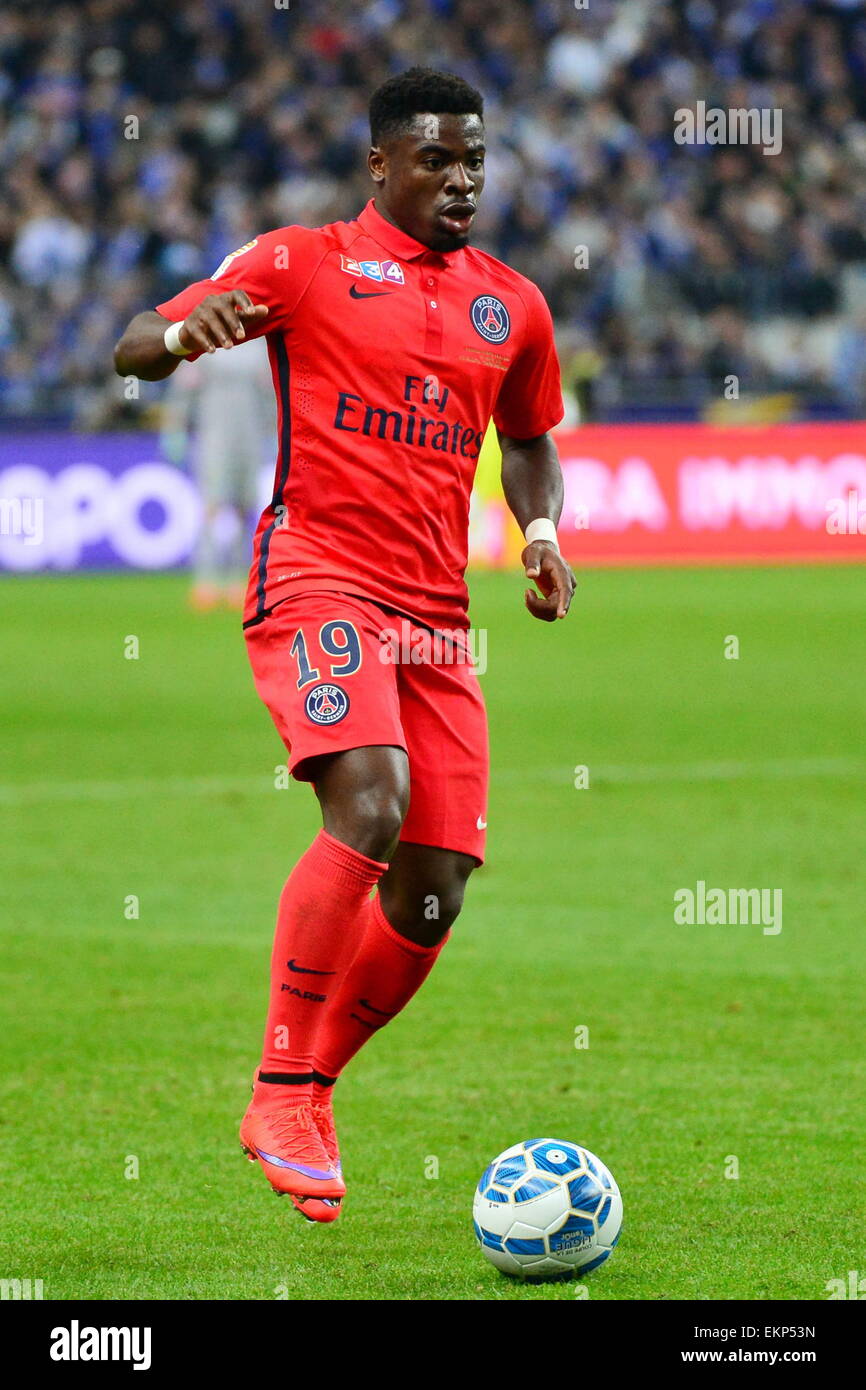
[292,1124]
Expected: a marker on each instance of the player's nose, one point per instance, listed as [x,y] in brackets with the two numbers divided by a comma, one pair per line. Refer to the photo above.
[460,181]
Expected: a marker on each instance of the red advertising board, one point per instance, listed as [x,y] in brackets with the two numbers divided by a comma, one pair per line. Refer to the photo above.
[701,494]
[634,495]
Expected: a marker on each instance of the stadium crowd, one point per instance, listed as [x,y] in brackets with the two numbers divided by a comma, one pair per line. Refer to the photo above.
[140,140]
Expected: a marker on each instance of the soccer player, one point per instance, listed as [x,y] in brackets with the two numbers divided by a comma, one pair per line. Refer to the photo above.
[392,343]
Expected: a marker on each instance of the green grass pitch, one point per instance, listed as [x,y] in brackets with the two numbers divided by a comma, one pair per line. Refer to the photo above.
[131,1041]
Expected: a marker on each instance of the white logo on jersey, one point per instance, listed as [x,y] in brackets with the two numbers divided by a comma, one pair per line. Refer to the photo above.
[224,265]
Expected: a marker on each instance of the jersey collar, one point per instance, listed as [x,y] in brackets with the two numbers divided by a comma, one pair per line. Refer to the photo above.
[398,242]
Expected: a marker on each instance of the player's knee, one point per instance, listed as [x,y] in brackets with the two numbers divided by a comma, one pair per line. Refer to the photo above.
[364,795]
[447,903]
[375,817]
[425,912]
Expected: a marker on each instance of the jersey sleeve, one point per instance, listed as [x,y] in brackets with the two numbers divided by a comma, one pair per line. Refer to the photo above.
[271,270]
[530,397]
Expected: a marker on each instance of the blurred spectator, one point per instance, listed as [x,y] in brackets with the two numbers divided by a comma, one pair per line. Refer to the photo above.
[219,417]
[140,140]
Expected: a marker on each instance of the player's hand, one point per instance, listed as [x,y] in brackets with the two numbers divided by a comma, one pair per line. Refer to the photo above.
[543,563]
[218,322]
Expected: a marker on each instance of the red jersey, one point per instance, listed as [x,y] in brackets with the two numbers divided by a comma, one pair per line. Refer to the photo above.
[388,361]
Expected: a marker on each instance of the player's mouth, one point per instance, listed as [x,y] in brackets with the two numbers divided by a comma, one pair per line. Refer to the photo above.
[458,217]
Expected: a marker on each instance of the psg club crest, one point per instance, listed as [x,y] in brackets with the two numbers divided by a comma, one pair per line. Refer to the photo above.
[326,704]
[490,318]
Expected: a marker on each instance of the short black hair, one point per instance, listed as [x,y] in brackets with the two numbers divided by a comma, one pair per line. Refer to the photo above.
[415,92]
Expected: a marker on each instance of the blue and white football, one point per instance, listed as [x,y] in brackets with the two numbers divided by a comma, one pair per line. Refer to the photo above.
[547,1208]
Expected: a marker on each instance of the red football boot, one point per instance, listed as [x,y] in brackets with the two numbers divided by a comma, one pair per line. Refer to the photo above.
[323,1119]
[283,1137]
[325,1209]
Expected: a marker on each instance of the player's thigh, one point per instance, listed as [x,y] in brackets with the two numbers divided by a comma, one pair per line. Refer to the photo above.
[445,726]
[316,661]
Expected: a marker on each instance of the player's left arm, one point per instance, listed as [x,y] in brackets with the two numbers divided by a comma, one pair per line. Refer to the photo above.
[528,407]
[532,483]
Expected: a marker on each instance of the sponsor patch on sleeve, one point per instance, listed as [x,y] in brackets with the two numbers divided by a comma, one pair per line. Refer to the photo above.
[232,255]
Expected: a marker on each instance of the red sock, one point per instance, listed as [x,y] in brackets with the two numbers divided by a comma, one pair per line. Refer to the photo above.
[318,933]
[381,980]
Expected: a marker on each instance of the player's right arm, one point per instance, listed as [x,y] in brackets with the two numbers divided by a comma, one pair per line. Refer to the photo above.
[253,291]
[218,321]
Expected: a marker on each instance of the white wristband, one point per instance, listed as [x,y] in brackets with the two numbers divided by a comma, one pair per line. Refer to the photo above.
[171,338]
[542,529]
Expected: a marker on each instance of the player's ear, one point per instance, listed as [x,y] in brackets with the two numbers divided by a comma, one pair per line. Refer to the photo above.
[377,162]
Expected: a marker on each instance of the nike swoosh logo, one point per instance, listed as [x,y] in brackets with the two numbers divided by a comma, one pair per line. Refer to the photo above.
[296,1167]
[302,969]
[365,1004]
[480,824]
[371,1026]
[359,294]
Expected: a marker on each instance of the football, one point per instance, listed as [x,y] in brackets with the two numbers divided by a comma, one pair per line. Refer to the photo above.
[547,1209]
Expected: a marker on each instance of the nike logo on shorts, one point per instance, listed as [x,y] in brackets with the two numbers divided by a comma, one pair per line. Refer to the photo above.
[481,823]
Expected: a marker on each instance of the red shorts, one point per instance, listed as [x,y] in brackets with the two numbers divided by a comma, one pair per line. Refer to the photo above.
[318,665]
